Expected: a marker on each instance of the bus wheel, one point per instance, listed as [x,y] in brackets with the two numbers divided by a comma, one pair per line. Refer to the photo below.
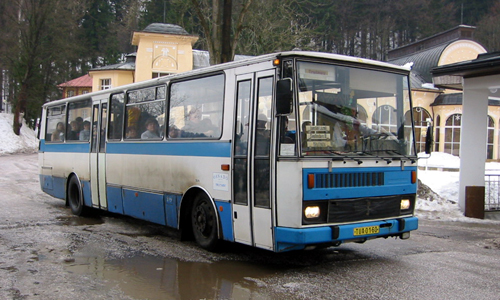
[204,223]
[75,199]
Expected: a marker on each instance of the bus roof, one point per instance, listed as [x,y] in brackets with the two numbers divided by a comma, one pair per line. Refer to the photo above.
[239,63]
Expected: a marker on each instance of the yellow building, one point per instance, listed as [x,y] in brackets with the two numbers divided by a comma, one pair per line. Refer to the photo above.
[162,49]
[443,108]
[78,86]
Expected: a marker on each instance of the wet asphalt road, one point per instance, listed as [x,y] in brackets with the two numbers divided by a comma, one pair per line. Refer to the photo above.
[46,253]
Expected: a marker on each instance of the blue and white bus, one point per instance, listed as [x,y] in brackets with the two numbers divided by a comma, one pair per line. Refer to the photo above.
[284,151]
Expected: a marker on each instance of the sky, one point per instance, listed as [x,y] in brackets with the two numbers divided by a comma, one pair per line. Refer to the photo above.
[443,206]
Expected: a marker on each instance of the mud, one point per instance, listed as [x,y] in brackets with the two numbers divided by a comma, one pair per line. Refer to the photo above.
[76,221]
[151,277]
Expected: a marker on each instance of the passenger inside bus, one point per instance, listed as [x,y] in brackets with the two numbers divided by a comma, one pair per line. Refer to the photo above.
[151,129]
[196,127]
[58,134]
[85,133]
[75,131]
[173,131]
[289,135]
[263,136]
[131,133]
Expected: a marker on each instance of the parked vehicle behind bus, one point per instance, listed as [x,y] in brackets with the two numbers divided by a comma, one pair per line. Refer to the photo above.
[284,151]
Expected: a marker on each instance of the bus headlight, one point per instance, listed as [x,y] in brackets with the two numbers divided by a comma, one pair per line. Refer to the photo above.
[312,212]
[405,204]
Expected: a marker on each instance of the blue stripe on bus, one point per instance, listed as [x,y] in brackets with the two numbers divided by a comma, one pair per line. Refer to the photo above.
[297,239]
[160,208]
[396,182]
[87,195]
[226,219]
[212,149]
[54,186]
[115,199]
[172,204]
[205,148]
[144,206]
[83,147]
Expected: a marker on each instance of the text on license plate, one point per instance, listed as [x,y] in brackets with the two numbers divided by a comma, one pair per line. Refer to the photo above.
[366,230]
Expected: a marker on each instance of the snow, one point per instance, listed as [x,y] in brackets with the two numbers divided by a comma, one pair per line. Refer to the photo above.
[441,175]
[438,192]
[10,143]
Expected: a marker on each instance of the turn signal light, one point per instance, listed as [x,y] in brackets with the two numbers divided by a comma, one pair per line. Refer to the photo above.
[413,176]
[310,181]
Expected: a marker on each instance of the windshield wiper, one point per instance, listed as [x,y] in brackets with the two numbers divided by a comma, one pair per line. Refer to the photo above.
[387,160]
[412,160]
[345,156]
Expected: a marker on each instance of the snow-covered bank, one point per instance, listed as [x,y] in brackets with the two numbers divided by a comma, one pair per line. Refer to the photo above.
[446,186]
[10,143]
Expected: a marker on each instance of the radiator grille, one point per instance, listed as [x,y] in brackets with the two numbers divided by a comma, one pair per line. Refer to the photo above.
[341,180]
[363,209]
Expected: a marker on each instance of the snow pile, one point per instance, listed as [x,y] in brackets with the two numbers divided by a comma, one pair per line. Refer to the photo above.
[437,195]
[439,160]
[10,143]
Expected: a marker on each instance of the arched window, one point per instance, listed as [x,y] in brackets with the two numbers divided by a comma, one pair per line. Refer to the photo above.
[385,118]
[452,134]
[491,135]
[362,115]
[420,117]
[437,137]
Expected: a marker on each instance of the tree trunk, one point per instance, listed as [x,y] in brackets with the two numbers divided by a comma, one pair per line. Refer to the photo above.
[19,110]
[226,53]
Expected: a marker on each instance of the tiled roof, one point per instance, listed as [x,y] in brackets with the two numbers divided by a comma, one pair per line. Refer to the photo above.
[423,61]
[83,81]
[125,66]
[165,29]
[456,99]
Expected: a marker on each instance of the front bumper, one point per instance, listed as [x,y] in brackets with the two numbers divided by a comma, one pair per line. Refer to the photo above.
[288,239]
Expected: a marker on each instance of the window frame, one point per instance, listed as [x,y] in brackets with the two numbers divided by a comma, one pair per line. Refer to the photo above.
[63,121]
[103,86]
[186,110]
[137,103]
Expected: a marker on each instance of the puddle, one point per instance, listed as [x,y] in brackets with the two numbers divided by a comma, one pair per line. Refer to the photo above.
[78,221]
[150,277]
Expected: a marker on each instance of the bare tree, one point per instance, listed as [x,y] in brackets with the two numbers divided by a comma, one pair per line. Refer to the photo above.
[488,29]
[217,23]
[39,39]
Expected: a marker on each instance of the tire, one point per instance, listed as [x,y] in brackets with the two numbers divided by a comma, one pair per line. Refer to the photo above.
[204,223]
[74,196]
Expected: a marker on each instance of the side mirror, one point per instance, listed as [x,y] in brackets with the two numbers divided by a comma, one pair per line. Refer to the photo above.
[284,97]
[428,140]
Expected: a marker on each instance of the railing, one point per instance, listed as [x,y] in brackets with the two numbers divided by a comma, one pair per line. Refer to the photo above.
[492,193]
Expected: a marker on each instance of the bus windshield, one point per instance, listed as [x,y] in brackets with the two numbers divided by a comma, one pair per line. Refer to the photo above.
[347,111]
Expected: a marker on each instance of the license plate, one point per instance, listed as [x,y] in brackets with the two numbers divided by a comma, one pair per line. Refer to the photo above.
[366,230]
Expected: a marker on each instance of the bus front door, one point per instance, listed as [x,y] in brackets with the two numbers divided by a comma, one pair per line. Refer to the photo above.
[252,172]
[98,155]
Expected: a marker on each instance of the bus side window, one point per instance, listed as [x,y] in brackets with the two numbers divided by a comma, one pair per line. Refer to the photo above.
[196,108]
[78,112]
[55,129]
[116,116]
[145,114]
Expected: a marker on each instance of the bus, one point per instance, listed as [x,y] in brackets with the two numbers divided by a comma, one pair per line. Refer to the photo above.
[284,151]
